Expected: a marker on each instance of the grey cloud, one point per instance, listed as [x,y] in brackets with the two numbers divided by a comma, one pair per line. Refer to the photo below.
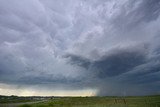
[135,13]
[102,44]
[115,63]
[136,81]
[118,63]
[79,61]
[145,73]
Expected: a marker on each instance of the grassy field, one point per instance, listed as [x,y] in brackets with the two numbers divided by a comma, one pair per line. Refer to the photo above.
[14,99]
[146,101]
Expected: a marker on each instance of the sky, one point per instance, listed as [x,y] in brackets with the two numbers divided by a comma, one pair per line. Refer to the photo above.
[79,47]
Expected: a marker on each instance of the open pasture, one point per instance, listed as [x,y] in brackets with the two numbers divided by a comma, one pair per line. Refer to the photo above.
[145,101]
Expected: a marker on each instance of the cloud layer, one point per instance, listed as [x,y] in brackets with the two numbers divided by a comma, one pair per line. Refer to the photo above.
[111,46]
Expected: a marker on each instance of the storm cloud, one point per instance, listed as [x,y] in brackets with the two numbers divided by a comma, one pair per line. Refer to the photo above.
[111,46]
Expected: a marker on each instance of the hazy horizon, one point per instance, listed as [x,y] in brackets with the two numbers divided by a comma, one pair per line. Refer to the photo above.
[80,47]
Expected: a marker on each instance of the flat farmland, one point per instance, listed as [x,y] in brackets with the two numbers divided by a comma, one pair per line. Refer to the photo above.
[141,101]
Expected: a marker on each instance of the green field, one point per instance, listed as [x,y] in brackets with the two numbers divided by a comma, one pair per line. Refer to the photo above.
[145,101]
[14,99]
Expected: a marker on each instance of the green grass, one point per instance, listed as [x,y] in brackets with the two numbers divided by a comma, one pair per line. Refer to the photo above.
[14,100]
[147,101]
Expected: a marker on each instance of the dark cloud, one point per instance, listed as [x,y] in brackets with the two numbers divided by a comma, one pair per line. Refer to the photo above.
[109,46]
[137,13]
[144,74]
[78,60]
[115,63]
[149,10]
[118,63]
